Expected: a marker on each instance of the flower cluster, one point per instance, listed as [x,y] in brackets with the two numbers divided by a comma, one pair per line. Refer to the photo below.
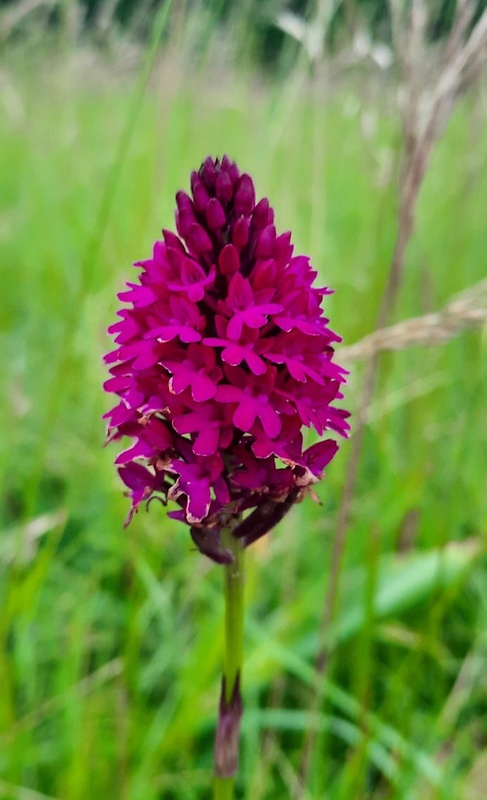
[222,356]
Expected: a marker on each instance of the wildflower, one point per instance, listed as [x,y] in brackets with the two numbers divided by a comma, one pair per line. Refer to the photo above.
[222,357]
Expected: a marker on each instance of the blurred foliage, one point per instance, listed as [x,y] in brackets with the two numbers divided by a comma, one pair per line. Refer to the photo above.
[343,18]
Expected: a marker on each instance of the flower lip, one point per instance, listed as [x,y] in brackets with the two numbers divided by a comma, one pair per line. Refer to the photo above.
[222,356]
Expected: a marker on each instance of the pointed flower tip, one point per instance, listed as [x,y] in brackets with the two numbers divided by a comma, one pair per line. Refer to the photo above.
[223,355]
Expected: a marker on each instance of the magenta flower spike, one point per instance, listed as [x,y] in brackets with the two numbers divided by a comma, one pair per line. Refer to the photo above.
[223,356]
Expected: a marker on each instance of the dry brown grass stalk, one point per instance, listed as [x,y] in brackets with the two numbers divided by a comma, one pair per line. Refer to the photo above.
[426,101]
[431,83]
[463,312]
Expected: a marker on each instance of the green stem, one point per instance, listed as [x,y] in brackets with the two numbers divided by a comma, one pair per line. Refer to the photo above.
[234,613]
[223,788]
[226,745]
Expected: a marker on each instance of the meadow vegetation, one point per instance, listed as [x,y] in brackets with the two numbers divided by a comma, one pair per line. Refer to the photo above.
[110,639]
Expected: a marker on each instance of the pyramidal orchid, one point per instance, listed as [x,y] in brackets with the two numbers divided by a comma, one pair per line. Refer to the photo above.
[223,356]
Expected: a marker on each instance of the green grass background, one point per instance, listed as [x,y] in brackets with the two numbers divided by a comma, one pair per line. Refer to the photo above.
[111,640]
